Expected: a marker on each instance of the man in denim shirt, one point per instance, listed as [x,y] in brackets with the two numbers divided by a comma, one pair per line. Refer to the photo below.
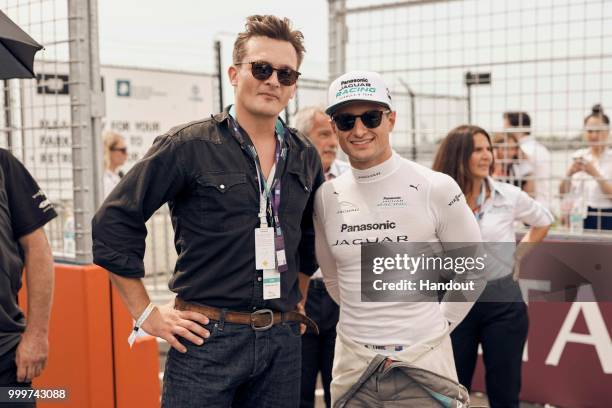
[240,188]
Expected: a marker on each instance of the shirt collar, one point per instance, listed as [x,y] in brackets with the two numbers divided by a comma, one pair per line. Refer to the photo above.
[334,169]
[377,172]
[279,125]
[527,139]
[494,187]
[589,154]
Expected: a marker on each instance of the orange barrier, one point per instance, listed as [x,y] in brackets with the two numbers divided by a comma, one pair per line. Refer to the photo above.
[136,369]
[88,351]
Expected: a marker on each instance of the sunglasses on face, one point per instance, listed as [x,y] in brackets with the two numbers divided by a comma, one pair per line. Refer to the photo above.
[119,149]
[262,70]
[370,119]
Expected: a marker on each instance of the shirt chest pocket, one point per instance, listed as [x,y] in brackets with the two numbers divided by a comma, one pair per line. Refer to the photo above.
[223,200]
[299,188]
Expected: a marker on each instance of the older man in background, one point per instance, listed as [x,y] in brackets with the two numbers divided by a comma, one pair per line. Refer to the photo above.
[318,350]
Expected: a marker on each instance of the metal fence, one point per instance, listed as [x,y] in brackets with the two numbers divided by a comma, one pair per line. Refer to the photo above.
[552,59]
[52,135]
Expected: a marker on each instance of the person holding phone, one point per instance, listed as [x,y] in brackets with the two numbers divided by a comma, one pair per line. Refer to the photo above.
[590,173]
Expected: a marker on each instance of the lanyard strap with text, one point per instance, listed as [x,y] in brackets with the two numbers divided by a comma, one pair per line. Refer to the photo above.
[270,189]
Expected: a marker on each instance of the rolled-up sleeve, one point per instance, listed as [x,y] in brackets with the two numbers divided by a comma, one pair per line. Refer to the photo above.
[118,228]
[531,212]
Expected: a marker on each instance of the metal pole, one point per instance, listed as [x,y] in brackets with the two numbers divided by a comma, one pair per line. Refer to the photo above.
[412,97]
[86,111]
[469,103]
[98,106]
[413,122]
[7,114]
[219,73]
[22,119]
[338,35]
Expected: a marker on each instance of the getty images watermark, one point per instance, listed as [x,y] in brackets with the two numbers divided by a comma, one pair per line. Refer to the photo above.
[459,271]
[409,264]
[422,271]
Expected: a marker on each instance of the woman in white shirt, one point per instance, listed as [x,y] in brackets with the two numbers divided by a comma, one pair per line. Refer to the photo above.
[589,176]
[115,155]
[500,323]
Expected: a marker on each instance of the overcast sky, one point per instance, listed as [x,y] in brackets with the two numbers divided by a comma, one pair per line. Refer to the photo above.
[180,34]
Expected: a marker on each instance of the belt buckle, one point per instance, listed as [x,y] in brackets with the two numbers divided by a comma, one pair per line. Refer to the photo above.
[259,312]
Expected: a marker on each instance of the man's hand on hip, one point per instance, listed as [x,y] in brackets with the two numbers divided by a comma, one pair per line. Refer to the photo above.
[31,356]
[301,310]
[167,322]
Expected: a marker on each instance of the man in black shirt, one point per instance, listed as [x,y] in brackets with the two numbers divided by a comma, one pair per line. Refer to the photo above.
[240,187]
[24,210]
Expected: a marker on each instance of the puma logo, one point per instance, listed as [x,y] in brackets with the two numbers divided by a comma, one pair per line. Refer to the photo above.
[415,187]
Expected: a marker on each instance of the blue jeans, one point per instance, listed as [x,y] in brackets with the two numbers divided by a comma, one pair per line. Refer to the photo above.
[236,367]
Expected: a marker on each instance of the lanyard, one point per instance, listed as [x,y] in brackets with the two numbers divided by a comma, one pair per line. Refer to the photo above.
[269,189]
[478,211]
[265,188]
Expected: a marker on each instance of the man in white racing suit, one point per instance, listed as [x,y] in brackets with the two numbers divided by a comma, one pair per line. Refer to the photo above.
[383,198]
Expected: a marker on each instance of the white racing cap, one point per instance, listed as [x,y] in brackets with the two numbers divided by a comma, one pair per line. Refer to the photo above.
[362,86]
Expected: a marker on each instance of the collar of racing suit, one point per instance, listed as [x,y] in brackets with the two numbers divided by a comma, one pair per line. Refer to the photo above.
[378,172]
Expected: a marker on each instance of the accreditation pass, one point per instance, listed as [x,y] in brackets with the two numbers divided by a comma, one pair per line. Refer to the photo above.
[265,260]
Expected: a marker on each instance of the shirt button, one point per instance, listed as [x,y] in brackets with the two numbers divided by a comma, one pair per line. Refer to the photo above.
[222,186]
[259,279]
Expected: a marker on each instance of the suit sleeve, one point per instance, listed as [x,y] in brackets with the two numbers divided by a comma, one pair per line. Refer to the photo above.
[325,258]
[460,235]
[532,212]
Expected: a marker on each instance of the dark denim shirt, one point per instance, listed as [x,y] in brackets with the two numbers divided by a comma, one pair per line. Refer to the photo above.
[210,185]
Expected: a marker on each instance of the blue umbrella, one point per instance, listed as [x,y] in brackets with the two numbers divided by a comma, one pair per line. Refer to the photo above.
[17,50]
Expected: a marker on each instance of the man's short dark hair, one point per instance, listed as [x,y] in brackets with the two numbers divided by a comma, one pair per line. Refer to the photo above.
[518,119]
[271,27]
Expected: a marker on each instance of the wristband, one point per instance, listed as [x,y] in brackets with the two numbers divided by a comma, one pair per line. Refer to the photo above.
[139,323]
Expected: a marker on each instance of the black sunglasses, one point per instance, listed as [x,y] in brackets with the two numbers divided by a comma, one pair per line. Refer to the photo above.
[263,70]
[119,149]
[370,119]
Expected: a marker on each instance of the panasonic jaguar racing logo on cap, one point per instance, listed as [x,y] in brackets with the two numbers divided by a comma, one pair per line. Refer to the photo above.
[355,87]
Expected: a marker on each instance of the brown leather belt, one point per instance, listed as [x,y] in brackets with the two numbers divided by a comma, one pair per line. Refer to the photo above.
[259,320]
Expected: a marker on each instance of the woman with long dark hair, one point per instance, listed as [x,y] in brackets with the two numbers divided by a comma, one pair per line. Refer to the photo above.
[590,174]
[498,321]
